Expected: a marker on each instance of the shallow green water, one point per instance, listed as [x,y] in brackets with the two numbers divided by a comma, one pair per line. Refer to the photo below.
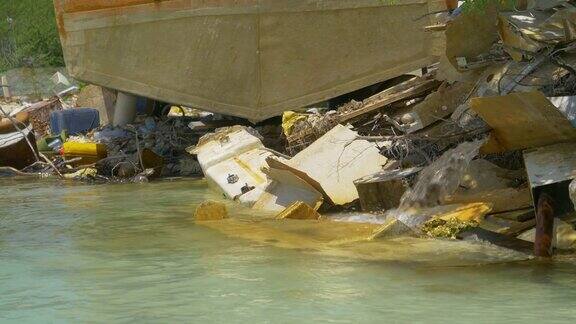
[132,253]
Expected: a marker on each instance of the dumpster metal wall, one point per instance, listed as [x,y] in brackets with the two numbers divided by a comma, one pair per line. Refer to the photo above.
[249,58]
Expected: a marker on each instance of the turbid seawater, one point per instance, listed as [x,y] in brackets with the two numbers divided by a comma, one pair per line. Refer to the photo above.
[132,253]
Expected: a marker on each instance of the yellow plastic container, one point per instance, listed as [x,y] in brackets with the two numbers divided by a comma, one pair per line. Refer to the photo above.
[89,152]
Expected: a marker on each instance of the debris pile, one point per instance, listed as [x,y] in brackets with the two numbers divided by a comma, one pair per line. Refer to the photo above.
[479,145]
[446,142]
[51,137]
[159,144]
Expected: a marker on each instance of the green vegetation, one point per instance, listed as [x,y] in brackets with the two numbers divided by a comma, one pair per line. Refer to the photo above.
[28,34]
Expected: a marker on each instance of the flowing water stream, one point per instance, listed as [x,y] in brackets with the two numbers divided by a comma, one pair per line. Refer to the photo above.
[132,253]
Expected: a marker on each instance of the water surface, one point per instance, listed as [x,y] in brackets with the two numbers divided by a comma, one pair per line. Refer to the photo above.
[132,253]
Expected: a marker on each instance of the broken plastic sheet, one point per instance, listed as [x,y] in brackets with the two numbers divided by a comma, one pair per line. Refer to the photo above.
[336,160]
[486,182]
[435,182]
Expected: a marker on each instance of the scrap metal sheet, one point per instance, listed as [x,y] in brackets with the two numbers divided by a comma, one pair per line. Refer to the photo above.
[248,58]
[524,120]
[551,164]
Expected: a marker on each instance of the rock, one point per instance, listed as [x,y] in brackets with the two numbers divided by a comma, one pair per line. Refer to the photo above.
[210,211]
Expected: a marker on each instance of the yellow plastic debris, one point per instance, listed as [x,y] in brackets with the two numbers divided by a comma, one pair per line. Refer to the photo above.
[82,174]
[299,210]
[85,149]
[438,227]
[468,212]
[210,211]
[289,119]
[88,152]
[449,224]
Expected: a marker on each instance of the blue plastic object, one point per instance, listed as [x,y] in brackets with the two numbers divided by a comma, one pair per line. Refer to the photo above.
[74,121]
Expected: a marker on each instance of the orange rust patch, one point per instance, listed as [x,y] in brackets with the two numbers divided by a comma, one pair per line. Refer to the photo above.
[58,8]
[89,5]
[72,6]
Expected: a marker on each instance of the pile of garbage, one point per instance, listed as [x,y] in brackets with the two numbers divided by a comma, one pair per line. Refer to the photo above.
[58,137]
[466,148]
[478,146]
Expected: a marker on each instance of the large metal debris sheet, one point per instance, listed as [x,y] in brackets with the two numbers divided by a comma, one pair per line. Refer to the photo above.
[551,164]
[248,58]
[471,34]
[524,120]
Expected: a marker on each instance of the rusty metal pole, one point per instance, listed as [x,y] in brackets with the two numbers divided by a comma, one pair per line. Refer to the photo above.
[544,226]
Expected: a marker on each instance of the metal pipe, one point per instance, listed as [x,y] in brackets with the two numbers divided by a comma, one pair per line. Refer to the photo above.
[544,226]
[125,109]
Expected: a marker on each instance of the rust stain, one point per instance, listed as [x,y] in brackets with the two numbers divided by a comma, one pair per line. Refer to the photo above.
[86,9]
[74,6]
[59,10]
[71,6]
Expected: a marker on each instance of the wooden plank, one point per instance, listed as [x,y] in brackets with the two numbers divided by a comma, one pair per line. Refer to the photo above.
[497,239]
[503,199]
[399,92]
[520,216]
[516,229]
[437,105]
[435,28]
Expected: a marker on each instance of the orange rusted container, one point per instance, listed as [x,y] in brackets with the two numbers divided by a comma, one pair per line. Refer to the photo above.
[249,58]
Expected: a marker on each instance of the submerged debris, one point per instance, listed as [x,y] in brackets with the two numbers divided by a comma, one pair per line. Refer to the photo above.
[210,211]
[441,228]
[299,210]
[429,152]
